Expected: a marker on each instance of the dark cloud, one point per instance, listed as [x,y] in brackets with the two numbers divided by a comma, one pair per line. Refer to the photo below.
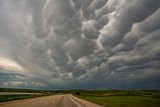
[80,44]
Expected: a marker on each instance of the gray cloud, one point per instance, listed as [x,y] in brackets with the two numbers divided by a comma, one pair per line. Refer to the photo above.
[80,44]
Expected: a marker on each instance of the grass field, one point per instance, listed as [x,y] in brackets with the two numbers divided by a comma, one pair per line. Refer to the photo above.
[123,98]
[4,98]
[22,94]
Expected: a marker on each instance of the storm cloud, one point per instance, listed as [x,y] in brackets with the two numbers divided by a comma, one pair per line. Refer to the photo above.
[75,44]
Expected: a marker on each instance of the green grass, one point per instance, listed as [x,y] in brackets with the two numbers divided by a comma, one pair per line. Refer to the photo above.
[125,101]
[4,98]
[123,98]
[36,93]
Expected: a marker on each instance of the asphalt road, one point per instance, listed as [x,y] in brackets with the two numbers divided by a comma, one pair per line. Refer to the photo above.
[66,100]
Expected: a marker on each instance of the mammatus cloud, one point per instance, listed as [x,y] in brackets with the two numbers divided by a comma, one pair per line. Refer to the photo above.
[70,44]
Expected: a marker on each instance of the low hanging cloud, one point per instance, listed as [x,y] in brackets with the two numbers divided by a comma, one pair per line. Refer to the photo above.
[72,44]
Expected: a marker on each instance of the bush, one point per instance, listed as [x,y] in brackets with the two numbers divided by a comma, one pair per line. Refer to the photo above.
[77,93]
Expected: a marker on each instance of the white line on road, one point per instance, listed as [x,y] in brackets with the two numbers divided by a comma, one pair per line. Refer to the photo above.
[74,101]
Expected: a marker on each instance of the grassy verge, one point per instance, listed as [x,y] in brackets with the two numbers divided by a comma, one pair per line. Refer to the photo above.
[4,98]
[28,93]
[123,98]
[125,101]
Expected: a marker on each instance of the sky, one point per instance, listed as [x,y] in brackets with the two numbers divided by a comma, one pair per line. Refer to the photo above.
[80,44]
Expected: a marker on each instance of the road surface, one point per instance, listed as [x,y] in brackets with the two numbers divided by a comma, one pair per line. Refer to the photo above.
[66,100]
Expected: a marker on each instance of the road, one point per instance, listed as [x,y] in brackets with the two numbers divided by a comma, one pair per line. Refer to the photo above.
[66,100]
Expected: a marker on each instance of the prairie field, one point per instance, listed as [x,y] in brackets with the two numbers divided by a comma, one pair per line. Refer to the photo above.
[117,98]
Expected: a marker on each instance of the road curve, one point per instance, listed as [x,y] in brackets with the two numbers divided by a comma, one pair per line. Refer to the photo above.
[66,100]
